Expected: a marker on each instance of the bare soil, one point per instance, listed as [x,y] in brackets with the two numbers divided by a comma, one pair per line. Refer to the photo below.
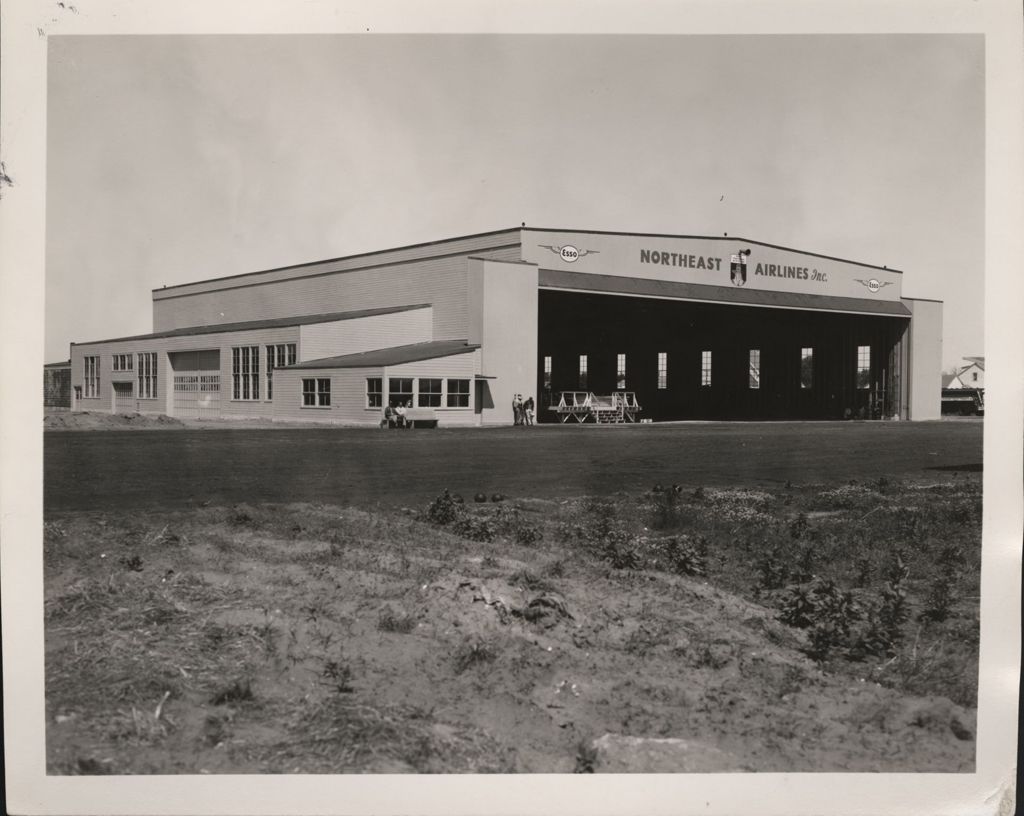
[524,635]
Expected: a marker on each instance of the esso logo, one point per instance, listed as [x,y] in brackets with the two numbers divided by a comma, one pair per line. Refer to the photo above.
[874,285]
[569,253]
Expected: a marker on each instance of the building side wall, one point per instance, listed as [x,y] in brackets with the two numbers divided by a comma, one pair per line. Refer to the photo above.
[925,363]
[504,306]
[321,340]
[456,366]
[440,282]
[164,346]
[348,396]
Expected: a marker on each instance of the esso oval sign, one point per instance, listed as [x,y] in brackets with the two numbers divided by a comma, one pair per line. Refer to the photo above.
[569,253]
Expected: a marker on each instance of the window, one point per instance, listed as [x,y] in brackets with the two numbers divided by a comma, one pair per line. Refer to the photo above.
[806,367]
[620,371]
[458,393]
[583,371]
[122,362]
[374,392]
[399,391]
[974,376]
[430,393]
[279,353]
[245,373]
[147,375]
[547,372]
[316,393]
[705,368]
[863,366]
[662,370]
[755,368]
[92,376]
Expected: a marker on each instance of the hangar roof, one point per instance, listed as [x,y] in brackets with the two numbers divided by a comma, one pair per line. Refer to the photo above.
[675,290]
[396,355]
[272,323]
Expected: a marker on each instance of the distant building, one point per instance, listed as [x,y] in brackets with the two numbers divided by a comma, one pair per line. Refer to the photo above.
[57,385]
[952,381]
[455,328]
[972,375]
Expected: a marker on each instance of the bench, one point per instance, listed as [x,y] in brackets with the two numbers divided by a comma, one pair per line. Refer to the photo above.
[422,417]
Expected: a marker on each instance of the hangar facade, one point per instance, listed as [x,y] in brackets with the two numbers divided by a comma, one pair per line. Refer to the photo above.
[686,327]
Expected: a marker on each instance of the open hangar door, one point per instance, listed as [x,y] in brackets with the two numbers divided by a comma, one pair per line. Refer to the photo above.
[196,383]
[710,361]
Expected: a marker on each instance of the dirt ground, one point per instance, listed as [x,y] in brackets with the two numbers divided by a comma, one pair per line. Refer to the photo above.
[809,627]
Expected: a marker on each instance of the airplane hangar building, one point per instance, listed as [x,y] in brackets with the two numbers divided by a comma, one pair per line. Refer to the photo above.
[689,327]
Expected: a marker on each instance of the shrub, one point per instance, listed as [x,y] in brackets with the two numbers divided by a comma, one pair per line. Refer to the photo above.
[444,509]
[827,611]
[391,621]
[337,675]
[473,652]
[684,556]
[772,573]
[621,551]
[474,528]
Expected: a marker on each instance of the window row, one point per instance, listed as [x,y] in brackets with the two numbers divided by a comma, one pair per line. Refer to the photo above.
[121,362]
[754,369]
[430,392]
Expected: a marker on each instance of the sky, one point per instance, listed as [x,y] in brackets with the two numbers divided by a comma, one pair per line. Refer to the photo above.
[178,158]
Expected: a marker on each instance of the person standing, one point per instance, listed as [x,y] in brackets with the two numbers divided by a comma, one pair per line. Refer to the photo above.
[517,409]
[528,408]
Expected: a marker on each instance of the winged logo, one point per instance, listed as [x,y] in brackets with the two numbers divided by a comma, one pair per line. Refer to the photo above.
[873,284]
[569,253]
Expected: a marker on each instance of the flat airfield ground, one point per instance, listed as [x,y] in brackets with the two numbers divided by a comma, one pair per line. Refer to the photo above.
[118,470]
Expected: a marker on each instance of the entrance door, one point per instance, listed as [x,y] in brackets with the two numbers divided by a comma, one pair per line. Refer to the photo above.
[124,398]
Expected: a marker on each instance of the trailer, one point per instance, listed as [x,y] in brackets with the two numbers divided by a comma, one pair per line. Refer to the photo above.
[963,401]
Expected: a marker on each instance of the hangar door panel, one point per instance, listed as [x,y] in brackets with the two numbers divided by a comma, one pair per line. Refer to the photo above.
[196,384]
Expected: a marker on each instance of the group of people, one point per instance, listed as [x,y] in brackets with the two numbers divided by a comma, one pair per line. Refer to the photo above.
[523,411]
[394,417]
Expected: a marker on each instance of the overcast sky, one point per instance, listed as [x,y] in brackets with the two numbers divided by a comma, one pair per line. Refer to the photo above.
[174,159]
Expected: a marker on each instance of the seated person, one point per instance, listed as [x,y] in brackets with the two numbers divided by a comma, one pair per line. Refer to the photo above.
[400,412]
[389,417]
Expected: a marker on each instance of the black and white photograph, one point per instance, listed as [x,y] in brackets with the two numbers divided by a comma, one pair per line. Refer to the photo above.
[516,405]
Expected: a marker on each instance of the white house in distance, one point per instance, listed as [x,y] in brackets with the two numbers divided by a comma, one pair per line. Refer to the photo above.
[972,375]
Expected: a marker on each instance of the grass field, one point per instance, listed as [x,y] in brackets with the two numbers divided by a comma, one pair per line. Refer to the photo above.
[781,618]
[180,468]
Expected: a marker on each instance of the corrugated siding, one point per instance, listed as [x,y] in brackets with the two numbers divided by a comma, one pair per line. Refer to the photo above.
[348,396]
[322,340]
[438,281]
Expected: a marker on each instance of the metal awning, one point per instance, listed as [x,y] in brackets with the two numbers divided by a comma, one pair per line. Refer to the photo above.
[558,279]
